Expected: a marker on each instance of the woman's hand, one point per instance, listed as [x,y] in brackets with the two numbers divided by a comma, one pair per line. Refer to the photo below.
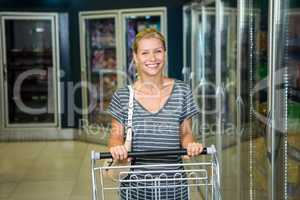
[194,149]
[187,140]
[119,152]
[116,141]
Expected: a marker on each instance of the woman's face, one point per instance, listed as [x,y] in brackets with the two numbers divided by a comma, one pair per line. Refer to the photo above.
[150,57]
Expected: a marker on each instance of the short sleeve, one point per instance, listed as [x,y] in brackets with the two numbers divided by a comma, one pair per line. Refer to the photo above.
[189,108]
[115,109]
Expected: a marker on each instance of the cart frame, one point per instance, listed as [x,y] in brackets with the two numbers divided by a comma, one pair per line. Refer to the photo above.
[196,175]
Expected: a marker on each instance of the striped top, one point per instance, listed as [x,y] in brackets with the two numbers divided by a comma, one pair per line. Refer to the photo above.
[159,130]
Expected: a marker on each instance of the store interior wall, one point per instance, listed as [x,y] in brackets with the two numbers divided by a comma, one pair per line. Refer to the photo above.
[70,50]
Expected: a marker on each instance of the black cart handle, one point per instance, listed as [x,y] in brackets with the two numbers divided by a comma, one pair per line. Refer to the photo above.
[152,153]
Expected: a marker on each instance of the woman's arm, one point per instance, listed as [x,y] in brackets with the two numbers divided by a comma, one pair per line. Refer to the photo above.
[187,140]
[116,141]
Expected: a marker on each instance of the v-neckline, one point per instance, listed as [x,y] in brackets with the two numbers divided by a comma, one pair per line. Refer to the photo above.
[161,108]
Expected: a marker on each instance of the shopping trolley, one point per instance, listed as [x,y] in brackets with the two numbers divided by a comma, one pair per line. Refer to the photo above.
[199,180]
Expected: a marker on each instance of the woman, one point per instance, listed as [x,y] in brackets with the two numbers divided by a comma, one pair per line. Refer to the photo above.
[162,112]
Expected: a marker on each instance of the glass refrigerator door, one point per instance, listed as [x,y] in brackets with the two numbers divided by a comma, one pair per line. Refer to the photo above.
[285,111]
[29,70]
[292,46]
[203,67]
[133,23]
[219,88]
[99,67]
[214,80]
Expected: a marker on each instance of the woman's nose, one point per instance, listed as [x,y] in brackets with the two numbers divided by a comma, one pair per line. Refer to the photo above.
[152,56]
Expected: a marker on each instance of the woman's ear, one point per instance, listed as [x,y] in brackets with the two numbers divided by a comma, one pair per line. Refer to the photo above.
[134,58]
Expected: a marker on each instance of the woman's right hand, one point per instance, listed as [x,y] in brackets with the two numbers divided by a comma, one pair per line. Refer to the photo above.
[119,152]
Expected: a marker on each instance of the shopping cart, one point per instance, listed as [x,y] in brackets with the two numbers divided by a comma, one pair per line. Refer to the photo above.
[196,180]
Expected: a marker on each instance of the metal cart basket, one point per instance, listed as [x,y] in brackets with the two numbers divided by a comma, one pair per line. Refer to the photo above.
[188,180]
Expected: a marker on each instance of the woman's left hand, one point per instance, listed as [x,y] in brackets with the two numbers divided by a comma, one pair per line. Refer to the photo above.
[194,149]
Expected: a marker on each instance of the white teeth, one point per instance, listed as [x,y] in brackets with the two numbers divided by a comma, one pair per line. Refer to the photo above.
[152,65]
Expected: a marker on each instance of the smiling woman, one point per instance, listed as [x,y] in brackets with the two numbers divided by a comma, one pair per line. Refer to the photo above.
[162,112]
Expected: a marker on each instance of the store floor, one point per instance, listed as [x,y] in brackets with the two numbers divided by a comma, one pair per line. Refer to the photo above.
[52,170]
[61,171]
[45,170]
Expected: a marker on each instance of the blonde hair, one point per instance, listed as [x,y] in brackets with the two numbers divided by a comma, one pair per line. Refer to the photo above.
[148,33]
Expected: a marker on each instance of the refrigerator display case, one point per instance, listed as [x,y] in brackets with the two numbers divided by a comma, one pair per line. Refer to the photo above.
[250,67]
[29,69]
[106,59]
[211,72]
[100,64]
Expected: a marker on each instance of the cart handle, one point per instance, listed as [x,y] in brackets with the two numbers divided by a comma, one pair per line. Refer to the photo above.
[169,152]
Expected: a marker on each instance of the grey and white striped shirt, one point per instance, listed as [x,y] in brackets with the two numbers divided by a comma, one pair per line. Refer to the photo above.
[159,130]
[155,131]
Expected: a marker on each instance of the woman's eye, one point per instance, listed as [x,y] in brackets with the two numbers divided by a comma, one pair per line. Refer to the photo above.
[158,51]
[144,53]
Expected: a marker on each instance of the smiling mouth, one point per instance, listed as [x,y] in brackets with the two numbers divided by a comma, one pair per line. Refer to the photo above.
[152,65]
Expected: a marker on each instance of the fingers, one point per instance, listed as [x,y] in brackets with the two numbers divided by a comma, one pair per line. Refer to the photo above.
[194,149]
[185,157]
[119,152]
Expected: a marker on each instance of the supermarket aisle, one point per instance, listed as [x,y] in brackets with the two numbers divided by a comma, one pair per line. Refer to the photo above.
[45,170]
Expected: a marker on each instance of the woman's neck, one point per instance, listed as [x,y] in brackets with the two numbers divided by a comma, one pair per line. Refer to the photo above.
[152,85]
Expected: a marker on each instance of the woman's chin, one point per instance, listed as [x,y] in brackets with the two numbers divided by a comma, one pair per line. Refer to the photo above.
[152,71]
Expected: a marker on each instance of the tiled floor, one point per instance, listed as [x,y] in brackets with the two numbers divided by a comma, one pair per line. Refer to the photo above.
[46,170]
